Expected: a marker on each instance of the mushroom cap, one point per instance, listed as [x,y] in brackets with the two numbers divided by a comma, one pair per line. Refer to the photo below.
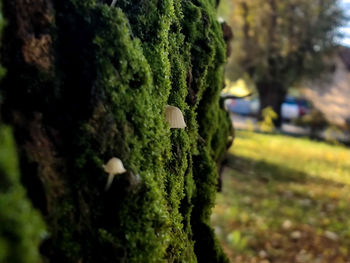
[114,166]
[174,117]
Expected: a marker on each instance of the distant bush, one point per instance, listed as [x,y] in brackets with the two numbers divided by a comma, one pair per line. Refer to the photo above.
[315,120]
[268,117]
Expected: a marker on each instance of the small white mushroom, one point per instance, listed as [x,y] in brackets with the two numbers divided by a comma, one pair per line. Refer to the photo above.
[174,117]
[113,167]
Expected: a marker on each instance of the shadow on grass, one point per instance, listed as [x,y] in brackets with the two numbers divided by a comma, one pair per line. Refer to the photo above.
[275,207]
[250,169]
[281,211]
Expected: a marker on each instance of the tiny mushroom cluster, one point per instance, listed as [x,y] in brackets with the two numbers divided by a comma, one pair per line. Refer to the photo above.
[115,166]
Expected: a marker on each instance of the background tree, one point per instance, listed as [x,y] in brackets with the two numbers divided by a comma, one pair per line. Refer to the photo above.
[278,42]
[87,81]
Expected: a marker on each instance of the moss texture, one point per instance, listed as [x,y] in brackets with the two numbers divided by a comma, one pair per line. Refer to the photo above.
[21,228]
[97,88]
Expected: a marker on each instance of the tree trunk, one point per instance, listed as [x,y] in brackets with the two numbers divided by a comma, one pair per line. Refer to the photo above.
[87,82]
[271,94]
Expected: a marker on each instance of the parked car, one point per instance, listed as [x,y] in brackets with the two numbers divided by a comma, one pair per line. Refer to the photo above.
[292,108]
[239,106]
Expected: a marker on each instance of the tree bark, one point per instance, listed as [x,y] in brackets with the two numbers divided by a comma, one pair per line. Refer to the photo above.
[271,94]
[87,82]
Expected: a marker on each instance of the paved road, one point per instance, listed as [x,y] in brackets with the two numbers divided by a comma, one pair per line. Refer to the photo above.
[246,123]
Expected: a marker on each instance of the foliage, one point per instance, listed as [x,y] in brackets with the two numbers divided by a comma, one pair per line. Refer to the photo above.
[266,125]
[280,43]
[114,71]
[283,40]
[236,241]
[332,133]
[315,120]
[21,227]
[289,199]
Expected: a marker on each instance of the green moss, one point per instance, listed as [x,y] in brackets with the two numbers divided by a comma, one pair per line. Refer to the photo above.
[208,54]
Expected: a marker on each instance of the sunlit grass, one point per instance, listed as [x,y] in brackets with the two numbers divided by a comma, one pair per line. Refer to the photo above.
[277,187]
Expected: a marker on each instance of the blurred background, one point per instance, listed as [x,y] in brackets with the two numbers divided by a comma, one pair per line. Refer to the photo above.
[286,180]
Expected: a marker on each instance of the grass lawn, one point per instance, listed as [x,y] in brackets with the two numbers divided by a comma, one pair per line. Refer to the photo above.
[284,200]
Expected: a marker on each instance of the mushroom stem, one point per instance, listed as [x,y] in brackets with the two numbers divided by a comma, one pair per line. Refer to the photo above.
[113,3]
[109,181]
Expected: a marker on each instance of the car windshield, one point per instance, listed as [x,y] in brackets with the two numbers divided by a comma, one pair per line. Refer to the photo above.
[290,100]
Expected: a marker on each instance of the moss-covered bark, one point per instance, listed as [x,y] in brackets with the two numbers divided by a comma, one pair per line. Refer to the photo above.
[21,227]
[87,82]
